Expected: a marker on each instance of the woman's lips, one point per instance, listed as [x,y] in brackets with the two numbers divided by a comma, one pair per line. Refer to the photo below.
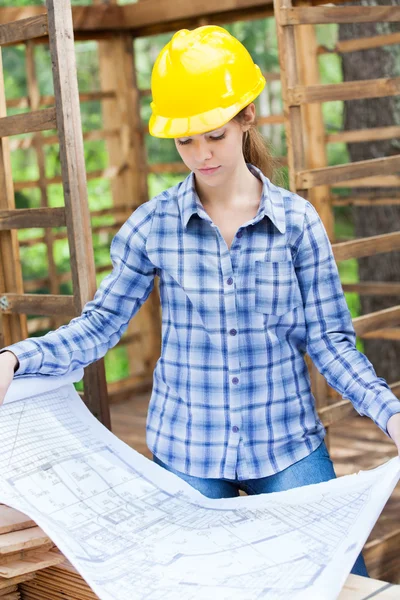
[208,171]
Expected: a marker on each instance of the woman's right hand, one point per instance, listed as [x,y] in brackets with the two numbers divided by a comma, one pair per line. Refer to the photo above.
[8,362]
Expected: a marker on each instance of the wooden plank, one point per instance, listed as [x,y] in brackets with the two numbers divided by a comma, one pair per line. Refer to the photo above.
[8,590]
[343,14]
[30,563]
[49,100]
[61,43]
[38,304]
[96,22]
[363,588]
[375,320]
[369,246]
[366,43]
[392,333]
[118,72]
[34,101]
[340,173]
[364,135]
[366,201]
[23,29]
[23,218]
[340,410]
[313,134]
[38,120]
[374,288]
[380,549]
[290,79]
[93,135]
[34,537]
[13,520]
[13,327]
[348,90]
[5,583]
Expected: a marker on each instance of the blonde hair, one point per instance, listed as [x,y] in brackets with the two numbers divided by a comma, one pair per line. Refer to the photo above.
[256,150]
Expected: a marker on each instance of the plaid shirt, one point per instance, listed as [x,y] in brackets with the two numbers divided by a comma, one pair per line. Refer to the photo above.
[231,395]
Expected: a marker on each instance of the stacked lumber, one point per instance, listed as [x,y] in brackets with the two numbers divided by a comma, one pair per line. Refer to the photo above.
[24,550]
[61,582]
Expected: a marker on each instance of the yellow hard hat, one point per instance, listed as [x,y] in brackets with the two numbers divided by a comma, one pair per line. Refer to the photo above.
[200,81]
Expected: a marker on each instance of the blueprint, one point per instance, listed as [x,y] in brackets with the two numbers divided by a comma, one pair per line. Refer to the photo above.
[136,531]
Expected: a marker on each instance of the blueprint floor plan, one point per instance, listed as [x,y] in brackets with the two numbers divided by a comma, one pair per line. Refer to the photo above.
[136,531]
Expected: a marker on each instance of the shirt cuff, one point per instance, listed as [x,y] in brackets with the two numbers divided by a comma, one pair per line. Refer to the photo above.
[384,406]
[28,354]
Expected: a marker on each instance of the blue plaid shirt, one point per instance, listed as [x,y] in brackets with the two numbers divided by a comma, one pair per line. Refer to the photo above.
[231,396]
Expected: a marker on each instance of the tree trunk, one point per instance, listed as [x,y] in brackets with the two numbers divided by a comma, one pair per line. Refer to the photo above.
[368,221]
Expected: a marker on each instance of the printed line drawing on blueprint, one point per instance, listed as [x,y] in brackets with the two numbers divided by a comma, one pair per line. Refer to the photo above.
[136,531]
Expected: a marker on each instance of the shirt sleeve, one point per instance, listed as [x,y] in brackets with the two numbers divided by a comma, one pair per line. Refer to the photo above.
[104,319]
[330,333]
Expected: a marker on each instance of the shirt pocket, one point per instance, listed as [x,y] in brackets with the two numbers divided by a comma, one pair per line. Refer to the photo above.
[276,287]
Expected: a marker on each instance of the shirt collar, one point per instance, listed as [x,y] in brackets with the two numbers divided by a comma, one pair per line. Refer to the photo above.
[271,204]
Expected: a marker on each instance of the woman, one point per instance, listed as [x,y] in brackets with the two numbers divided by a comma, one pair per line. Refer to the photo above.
[248,285]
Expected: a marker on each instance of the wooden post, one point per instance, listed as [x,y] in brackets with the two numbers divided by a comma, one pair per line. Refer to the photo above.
[13,326]
[313,136]
[69,127]
[37,142]
[129,187]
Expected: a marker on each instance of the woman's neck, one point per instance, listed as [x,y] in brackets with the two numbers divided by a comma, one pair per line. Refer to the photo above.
[239,189]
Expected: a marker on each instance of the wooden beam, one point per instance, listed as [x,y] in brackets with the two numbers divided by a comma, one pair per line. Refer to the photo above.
[392,333]
[366,43]
[365,201]
[69,125]
[348,90]
[343,14]
[348,172]
[23,29]
[368,246]
[38,120]
[25,218]
[37,304]
[381,318]
[150,17]
[364,135]
[12,327]
[342,409]
[374,288]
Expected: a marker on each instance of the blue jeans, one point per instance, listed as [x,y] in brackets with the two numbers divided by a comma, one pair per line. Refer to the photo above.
[314,468]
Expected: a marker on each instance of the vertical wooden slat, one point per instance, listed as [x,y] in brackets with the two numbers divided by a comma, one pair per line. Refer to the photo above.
[129,187]
[61,40]
[13,327]
[289,79]
[313,136]
[34,102]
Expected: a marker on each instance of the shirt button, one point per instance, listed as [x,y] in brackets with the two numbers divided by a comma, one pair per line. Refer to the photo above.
[235,380]
[230,281]
[235,429]
[239,234]
[233,332]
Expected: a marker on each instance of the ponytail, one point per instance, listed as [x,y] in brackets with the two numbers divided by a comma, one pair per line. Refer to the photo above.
[256,151]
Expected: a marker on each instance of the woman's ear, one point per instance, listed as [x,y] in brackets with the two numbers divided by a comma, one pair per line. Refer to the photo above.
[249,116]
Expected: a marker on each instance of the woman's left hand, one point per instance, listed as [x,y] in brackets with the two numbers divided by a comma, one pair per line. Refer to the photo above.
[393,427]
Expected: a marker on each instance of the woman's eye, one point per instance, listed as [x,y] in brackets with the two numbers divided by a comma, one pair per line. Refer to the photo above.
[219,137]
[184,142]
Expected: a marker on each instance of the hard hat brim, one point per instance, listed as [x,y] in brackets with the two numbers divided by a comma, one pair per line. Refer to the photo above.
[174,127]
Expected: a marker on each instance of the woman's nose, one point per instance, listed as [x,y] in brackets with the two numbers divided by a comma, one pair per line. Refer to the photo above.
[202,152]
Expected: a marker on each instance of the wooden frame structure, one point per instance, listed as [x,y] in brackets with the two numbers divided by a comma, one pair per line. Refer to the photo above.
[115,27]
[65,117]
[311,177]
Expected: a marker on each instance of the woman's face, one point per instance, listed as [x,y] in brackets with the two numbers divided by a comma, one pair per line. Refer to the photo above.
[212,156]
